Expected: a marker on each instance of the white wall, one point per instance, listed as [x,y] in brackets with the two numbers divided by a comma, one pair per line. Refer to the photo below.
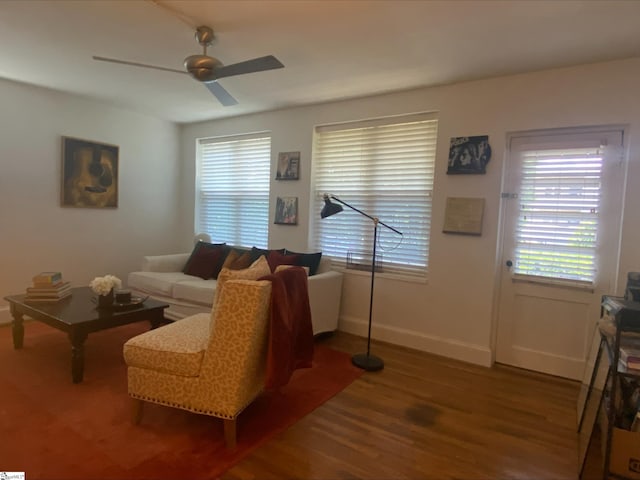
[37,234]
[453,314]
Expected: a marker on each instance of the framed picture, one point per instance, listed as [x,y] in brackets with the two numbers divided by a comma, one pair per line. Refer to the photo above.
[288,166]
[469,154]
[287,211]
[89,174]
[463,216]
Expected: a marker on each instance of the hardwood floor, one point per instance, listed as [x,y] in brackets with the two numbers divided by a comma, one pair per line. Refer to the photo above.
[428,417]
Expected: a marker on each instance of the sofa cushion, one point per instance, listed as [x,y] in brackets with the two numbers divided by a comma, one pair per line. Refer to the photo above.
[276,258]
[160,283]
[311,260]
[237,259]
[177,348]
[205,264]
[258,252]
[258,269]
[279,268]
[206,260]
[195,290]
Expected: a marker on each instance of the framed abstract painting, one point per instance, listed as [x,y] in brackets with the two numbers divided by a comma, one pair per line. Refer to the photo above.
[89,174]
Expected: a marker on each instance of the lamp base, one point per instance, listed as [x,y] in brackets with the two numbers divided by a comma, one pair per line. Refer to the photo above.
[370,363]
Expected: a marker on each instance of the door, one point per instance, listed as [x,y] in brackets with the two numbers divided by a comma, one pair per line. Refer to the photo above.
[561,206]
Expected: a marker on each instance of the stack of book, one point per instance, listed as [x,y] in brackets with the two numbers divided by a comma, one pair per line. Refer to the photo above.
[48,287]
[630,357]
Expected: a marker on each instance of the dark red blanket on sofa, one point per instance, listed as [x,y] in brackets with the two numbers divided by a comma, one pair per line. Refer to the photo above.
[290,330]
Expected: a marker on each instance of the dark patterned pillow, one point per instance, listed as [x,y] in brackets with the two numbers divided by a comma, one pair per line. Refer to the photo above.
[206,260]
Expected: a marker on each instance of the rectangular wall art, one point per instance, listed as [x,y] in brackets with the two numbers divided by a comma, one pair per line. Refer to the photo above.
[288,166]
[463,216]
[287,211]
[469,155]
[89,174]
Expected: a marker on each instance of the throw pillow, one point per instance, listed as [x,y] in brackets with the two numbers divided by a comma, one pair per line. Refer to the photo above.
[279,268]
[237,260]
[276,258]
[205,260]
[243,261]
[258,252]
[311,260]
[258,269]
[231,257]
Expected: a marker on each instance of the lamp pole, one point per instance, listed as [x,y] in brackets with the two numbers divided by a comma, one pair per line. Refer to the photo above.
[366,361]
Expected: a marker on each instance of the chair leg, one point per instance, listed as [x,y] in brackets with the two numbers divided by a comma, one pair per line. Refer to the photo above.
[230,433]
[136,410]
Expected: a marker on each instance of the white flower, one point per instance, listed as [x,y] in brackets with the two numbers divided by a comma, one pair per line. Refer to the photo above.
[103,285]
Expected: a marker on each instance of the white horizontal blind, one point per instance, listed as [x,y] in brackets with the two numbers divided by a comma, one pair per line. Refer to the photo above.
[233,189]
[385,168]
[560,198]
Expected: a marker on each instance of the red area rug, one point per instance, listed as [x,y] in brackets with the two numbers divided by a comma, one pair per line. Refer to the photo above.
[51,428]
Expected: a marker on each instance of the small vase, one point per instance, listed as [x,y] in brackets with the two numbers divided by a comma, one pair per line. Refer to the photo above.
[106,301]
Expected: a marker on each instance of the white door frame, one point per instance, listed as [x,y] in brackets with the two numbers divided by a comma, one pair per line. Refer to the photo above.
[500,271]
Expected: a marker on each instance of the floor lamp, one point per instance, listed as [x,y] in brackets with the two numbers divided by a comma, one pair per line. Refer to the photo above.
[366,361]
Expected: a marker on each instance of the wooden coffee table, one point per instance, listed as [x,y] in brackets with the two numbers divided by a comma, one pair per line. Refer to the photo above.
[79,316]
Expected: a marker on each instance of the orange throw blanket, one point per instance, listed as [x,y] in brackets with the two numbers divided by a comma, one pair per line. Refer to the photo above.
[290,330]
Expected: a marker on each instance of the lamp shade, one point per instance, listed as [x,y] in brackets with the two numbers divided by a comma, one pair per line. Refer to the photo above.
[329,208]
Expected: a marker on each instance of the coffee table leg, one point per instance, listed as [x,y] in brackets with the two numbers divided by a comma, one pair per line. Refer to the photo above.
[157,320]
[77,355]
[17,329]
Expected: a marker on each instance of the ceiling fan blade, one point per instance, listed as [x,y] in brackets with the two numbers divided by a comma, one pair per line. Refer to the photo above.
[221,94]
[136,64]
[255,65]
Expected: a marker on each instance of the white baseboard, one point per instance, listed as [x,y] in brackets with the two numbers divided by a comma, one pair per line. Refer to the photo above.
[445,347]
[5,316]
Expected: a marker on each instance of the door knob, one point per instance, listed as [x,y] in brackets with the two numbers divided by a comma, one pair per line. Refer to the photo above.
[509,263]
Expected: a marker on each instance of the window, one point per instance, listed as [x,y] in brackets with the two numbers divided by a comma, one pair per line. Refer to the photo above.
[559,223]
[232,189]
[383,167]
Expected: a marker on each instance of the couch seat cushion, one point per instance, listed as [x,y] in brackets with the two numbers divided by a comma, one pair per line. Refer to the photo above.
[156,282]
[195,290]
[176,349]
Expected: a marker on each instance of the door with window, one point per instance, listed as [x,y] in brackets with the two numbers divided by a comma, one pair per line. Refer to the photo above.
[562,201]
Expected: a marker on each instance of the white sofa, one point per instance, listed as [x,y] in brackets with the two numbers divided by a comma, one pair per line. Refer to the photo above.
[162,278]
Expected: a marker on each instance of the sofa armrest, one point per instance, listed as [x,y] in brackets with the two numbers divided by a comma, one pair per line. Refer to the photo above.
[165,263]
[325,294]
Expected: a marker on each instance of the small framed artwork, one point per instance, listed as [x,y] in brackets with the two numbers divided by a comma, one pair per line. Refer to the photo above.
[468,155]
[286,211]
[463,216]
[89,174]
[288,166]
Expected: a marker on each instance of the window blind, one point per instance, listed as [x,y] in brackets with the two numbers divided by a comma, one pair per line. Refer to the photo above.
[233,189]
[560,216]
[385,168]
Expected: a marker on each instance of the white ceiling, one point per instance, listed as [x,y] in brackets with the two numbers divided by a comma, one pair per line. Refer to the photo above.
[331,49]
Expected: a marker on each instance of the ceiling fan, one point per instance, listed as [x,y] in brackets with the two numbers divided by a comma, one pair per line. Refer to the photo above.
[208,69]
